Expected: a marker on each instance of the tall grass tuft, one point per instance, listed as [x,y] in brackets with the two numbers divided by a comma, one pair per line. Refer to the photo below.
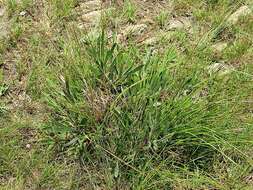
[139,112]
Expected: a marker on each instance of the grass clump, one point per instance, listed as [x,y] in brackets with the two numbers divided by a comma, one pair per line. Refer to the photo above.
[92,113]
[62,9]
[138,113]
[162,18]
[129,11]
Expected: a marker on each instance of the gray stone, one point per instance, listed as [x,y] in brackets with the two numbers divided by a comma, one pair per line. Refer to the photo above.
[220,69]
[180,23]
[242,11]
[93,18]
[175,24]
[3,30]
[90,6]
[220,46]
[22,13]
[2,12]
[134,30]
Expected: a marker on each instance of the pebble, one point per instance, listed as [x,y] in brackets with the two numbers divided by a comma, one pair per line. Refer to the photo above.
[22,13]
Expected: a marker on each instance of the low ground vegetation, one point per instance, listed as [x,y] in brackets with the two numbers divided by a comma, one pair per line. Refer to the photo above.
[126,94]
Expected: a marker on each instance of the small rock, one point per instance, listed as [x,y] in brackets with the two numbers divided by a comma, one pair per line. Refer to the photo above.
[92,18]
[182,23]
[90,6]
[4,29]
[242,11]
[175,24]
[219,68]
[134,30]
[28,146]
[22,13]
[220,46]
[151,41]
[2,12]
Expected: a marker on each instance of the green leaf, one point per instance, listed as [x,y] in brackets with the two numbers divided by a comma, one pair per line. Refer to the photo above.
[3,89]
